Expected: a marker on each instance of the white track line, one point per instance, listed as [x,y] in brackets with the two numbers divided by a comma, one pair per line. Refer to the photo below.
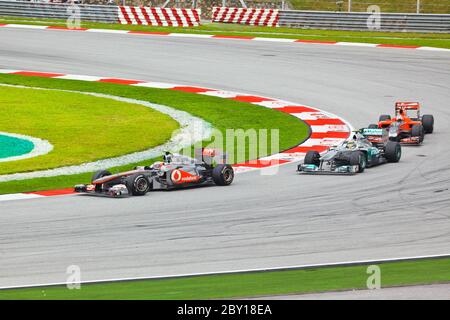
[220,37]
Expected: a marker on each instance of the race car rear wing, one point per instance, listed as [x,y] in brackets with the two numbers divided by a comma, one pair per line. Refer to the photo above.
[402,107]
[211,156]
[376,136]
[407,105]
[367,132]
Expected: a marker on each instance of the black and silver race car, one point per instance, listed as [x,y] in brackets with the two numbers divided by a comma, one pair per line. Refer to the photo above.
[175,171]
[368,148]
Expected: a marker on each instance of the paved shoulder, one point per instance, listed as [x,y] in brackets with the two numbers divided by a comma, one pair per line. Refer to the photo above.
[428,292]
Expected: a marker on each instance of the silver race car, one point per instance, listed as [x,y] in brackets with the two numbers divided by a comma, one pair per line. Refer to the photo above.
[367,148]
[175,171]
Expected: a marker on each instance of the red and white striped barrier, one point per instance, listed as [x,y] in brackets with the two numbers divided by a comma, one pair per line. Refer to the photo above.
[159,16]
[326,129]
[253,17]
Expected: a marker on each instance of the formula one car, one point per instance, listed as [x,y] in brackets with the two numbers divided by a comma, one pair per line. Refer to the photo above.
[408,126]
[175,171]
[368,148]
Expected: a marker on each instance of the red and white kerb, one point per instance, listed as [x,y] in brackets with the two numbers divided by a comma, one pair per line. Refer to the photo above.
[326,129]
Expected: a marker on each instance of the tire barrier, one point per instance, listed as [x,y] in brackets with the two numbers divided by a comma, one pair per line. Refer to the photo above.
[159,16]
[253,17]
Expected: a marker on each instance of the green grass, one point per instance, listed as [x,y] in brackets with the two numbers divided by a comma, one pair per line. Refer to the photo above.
[439,40]
[74,124]
[249,284]
[403,6]
[221,113]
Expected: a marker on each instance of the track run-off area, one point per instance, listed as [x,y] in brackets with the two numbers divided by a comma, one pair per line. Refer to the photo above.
[260,221]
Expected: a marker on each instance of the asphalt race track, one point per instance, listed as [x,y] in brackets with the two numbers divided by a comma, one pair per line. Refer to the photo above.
[396,210]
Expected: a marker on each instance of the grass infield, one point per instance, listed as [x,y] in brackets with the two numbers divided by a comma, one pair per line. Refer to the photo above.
[81,128]
[439,40]
[221,113]
[251,284]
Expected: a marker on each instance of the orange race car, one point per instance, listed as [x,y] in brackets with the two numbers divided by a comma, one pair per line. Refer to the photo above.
[408,126]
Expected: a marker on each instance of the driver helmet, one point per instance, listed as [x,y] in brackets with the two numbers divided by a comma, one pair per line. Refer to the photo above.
[167,157]
[351,145]
[157,165]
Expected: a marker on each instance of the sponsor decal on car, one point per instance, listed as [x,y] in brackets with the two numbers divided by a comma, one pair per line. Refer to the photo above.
[373,132]
[179,177]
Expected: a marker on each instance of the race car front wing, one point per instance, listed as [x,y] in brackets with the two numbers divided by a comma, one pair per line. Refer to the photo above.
[327,170]
[116,191]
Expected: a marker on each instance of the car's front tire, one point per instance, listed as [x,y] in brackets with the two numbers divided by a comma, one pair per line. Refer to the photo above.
[312,157]
[384,117]
[359,159]
[418,131]
[137,184]
[100,174]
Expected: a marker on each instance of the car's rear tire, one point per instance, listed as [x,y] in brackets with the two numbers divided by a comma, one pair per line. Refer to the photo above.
[393,151]
[373,126]
[223,174]
[384,117]
[418,131]
[359,159]
[312,157]
[137,184]
[428,123]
